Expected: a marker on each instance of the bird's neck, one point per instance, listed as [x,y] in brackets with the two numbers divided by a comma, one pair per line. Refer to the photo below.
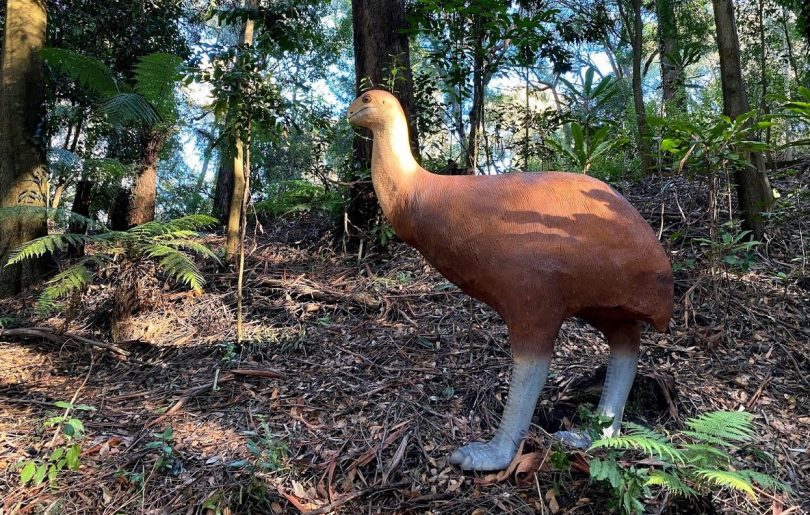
[393,168]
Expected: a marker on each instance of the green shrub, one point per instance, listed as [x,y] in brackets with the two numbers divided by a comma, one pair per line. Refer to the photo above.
[298,195]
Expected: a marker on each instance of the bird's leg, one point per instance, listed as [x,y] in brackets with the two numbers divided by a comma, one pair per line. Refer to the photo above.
[528,378]
[621,371]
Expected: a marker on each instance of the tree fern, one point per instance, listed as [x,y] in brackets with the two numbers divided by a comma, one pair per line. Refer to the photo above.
[87,71]
[164,242]
[155,79]
[123,108]
[44,245]
[73,279]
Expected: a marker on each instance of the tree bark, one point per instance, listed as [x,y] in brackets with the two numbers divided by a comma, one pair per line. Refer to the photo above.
[144,190]
[223,188]
[637,44]
[753,188]
[23,176]
[239,189]
[672,82]
[379,48]
[477,111]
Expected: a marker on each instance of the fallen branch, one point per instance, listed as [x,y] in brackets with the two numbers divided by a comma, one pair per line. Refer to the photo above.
[354,495]
[48,334]
[304,288]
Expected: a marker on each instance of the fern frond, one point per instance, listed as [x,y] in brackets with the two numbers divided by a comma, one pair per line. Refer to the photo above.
[155,79]
[177,265]
[87,71]
[107,167]
[191,245]
[766,481]
[670,482]
[195,222]
[728,479]
[702,455]
[45,245]
[726,425]
[72,279]
[650,446]
[123,108]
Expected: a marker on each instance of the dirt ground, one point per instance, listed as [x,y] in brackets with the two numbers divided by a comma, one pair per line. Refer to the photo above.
[360,378]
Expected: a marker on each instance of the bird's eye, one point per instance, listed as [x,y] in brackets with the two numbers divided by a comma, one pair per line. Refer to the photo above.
[366,99]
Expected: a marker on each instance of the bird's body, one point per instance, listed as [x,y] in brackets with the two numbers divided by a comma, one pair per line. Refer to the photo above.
[538,248]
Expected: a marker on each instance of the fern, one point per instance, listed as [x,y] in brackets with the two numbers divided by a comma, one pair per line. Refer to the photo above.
[650,445]
[729,479]
[726,426]
[670,482]
[178,266]
[164,242]
[45,245]
[87,71]
[127,107]
[155,78]
[73,279]
[701,460]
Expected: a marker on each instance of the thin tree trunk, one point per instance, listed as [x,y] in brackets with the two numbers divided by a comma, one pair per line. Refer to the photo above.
[637,41]
[672,82]
[239,178]
[23,175]
[223,187]
[753,188]
[477,111]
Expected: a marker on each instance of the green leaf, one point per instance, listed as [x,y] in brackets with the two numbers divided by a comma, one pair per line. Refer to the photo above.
[27,472]
[39,475]
[72,456]
[63,404]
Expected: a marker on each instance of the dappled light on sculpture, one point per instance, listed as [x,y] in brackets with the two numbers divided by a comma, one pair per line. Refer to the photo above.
[538,248]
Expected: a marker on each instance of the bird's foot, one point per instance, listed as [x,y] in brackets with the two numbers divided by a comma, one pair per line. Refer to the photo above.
[574,439]
[483,456]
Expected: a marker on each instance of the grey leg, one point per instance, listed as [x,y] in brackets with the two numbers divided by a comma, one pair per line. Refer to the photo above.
[621,371]
[528,378]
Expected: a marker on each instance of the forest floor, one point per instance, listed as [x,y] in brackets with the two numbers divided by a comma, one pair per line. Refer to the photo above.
[359,379]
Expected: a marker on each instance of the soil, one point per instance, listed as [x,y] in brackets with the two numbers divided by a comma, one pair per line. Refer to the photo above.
[359,377]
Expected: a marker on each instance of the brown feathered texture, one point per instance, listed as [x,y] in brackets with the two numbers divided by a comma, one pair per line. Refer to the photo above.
[537,247]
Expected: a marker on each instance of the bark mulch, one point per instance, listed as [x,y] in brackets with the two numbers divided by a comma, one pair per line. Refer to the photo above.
[358,379]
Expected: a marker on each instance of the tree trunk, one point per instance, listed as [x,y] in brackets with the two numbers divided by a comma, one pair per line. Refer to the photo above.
[672,82]
[23,176]
[239,189]
[637,43]
[223,188]
[753,188]
[379,48]
[235,208]
[477,111]
[144,190]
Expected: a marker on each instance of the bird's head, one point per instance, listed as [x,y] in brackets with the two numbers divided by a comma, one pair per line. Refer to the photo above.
[374,109]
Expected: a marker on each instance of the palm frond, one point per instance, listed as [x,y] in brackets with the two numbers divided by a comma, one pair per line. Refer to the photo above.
[670,482]
[85,70]
[726,425]
[728,479]
[123,108]
[45,245]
